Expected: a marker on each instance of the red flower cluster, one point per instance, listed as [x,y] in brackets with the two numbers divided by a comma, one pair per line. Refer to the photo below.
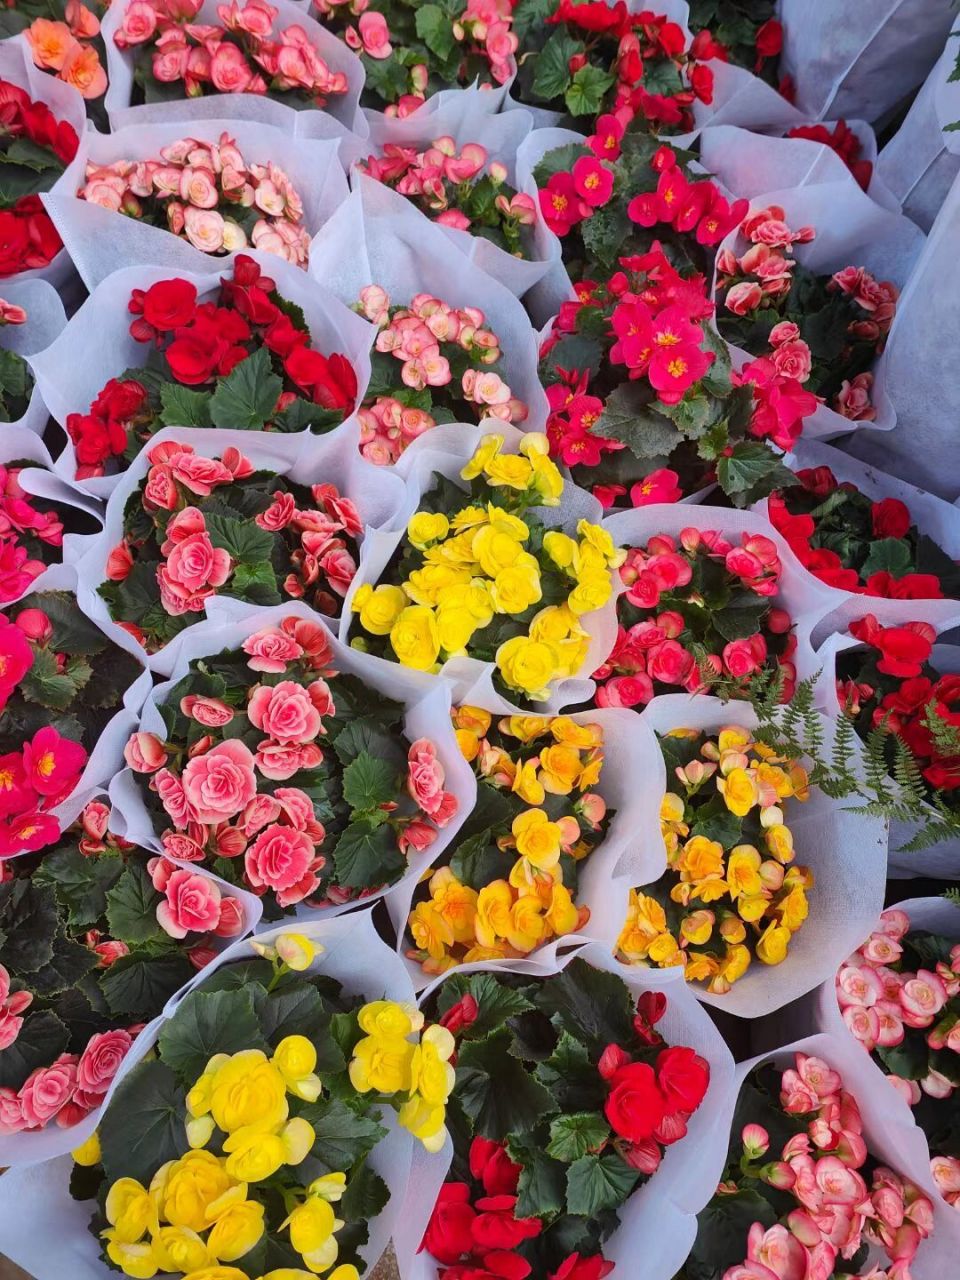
[648,1106]
[844,142]
[28,239]
[695,208]
[25,535]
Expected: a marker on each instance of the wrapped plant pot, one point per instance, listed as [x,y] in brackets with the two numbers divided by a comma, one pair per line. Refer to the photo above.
[31,318]
[584,1092]
[122,931]
[560,827]
[335,778]
[251,517]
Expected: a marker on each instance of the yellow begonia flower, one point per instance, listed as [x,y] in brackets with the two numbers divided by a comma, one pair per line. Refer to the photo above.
[552,624]
[591,593]
[493,912]
[516,588]
[535,445]
[496,547]
[672,807]
[538,839]
[739,791]
[527,785]
[485,452]
[330,1186]
[528,665]
[665,951]
[732,928]
[568,733]
[136,1260]
[773,943]
[381,1063]
[425,1122]
[179,1250]
[753,907]
[426,585]
[311,1225]
[248,1090]
[456,903]
[296,951]
[379,608]
[296,1059]
[253,1154]
[732,738]
[700,859]
[779,841]
[697,928]
[345,1272]
[236,1231]
[217,1273]
[547,480]
[430,931]
[88,1153]
[455,630]
[194,1182]
[527,925]
[560,548]
[414,638]
[389,1018]
[475,719]
[710,889]
[510,471]
[600,538]
[425,527]
[431,1075]
[295,1273]
[469,744]
[794,908]
[525,728]
[562,914]
[130,1210]
[560,768]
[743,871]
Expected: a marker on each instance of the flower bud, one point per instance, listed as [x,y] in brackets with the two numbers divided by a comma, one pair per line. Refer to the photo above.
[756,1140]
[296,951]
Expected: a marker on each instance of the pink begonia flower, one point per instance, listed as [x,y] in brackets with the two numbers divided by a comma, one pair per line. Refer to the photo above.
[192,904]
[221,783]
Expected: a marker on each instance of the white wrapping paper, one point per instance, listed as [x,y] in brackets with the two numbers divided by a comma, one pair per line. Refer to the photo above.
[922,159]
[446,449]
[426,699]
[917,373]
[43,1229]
[466,118]
[934,517]
[45,320]
[100,242]
[301,458]
[378,237]
[96,345]
[658,1222]
[852,230]
[938,916]
[632,781]
[342,109]
[845,851]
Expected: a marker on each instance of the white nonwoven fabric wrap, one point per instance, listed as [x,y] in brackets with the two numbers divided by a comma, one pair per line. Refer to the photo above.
[16,65]
[46,318]
[100,242]
[860,61]
[941,860]
[845,851]
[922,159]
[427,715]
[105,757]
[658,1222]
[917,373]
[935,915]
[934,517]
[466,118]
[800,594]
[331,459]
[446,450]
[342,109]
[45,1230]
[632,782]
[52,1142]
[378,237]
[97,345]
[852,230]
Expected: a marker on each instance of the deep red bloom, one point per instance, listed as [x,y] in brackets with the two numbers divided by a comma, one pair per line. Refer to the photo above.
[448,1235]
[683,1077]
[890,518]
[635,1104]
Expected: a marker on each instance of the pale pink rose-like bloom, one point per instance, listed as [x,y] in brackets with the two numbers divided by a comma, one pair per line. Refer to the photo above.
[47,1090]
[192,904]
[198,187]
[11,1113]
[375,35]
[192,572]
[11,1008]
[282,859]
[894,923]
[262,810]
[416,835]
[853,399]
[170,58]
[184,847]
[229,71]
[101,1060]
[204,229]
[285,712]
[137,26]
[109,952]
[211,712]
[777,1250]
[425,775]
[174,799]
[279,761]
[881,948]
[858,985]
[271,650]
[743,297]
[785,331]
[817,1075]
[144,753]
[793,360]
[921,998]
[221,783]
[945,1170]
[936,1085]
[231,919]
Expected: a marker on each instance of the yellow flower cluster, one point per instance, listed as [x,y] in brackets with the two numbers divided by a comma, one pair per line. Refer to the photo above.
[512,916]
[386,1061]
[726,901]
[477,565]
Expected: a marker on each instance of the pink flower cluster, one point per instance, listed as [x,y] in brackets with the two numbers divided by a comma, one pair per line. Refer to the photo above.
[70,1088]
[416,337]
[12,1008]
[192,902]
[239,57]
[19,521]
[204,192]
[837,1211]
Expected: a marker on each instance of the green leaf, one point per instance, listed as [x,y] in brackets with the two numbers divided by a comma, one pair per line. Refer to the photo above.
[245,398]
[246,542]
[343,1136]
[24,152]
[299,1011]
[366,1195]
[495,1002]
[80,883]
[184,407]
[28,917]
[42,1039]
[595,1183]
[592,1005]
[255,583]
[585,95]
[907,1059]
[140,984]
[573,1136]
[604,234]
[70,962]
[574,351]
[301,414]
[629,416]
[205,1024]
[890,554]
[367,856]
[552,69]
[46,684]
[739,623]
[751,472]
[722,1230]
[368,734]
[435,29]
[560,160]
[571,1077]
[541,1187]
[143,1127]
[132,907]
[496,1091]
[529,15]
[368,783]
[477,861]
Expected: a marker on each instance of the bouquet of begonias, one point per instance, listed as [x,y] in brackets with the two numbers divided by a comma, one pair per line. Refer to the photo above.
[411,51]
[567,1098]
[591,59]
[449,185]
[801,1191]
[207,194]
[480,575]
[744,32]
[822,331]
[287,777]
[510,884]
[266,1164]
[433,363]
[36,148]
[645,406]
[899,995]
[731,892]
[61,681]
[248,51]
[65,41]
[198,527]
[699,613]
[98,935]
[16,380]
[242,360]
